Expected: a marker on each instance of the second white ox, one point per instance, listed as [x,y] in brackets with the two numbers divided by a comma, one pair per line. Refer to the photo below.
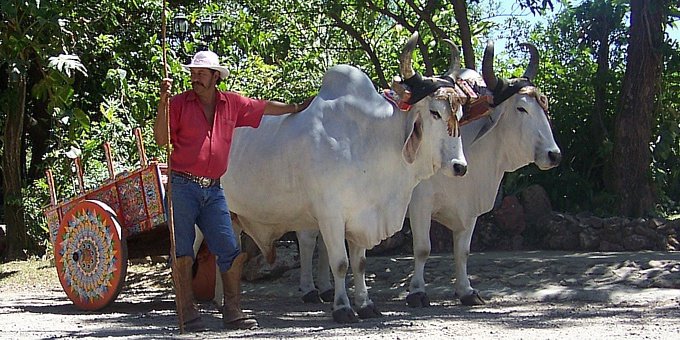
[347,166]
[516,133]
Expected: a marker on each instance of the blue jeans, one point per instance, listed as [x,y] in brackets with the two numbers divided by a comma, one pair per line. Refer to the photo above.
[206,208]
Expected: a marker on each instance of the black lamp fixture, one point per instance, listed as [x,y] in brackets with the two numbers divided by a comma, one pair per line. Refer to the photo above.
[209,27]
[180,26]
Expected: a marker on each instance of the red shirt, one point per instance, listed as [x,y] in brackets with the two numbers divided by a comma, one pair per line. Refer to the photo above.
[199,149]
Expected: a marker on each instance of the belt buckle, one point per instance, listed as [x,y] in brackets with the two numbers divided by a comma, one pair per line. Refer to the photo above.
[204,181]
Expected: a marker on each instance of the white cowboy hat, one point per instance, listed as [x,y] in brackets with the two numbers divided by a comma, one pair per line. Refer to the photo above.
[208,59]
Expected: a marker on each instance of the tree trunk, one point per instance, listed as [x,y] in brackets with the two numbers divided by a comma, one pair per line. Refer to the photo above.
[460,11]
[633,126]
[600,32]
[37,127]
[17,238]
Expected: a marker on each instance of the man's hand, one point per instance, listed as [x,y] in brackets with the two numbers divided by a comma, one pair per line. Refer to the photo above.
[304,104]
[166,87]
[160,126]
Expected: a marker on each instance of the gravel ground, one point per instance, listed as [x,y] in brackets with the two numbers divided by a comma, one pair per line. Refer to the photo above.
[530,295]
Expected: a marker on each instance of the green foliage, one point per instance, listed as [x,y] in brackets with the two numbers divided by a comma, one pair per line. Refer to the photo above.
[94,68]
[666,146]
[34,197]
[569,49]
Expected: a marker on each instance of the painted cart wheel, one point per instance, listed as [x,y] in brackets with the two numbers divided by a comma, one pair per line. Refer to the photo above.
[90,255]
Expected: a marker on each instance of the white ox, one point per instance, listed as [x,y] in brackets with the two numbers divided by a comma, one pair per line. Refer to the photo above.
[345,166]
[516,133]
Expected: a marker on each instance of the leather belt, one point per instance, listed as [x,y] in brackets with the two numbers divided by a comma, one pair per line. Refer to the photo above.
[203,182]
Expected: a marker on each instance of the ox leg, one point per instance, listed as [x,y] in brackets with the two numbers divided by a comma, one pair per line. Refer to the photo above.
[420,220]
[333,231]
[306,243]
[461,252]
[323,279]
[364,306]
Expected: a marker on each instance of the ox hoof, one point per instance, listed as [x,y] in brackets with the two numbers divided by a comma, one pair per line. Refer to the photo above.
[328,295]
[418,299]
[472,299]
[369,312]
[344,315]
[312,297]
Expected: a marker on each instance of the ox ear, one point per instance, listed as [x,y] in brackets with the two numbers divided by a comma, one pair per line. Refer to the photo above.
[414,139]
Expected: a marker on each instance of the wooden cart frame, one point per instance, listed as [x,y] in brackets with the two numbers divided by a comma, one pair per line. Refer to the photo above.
[95,232]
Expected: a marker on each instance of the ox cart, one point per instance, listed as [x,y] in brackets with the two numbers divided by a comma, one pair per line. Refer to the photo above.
[94,233]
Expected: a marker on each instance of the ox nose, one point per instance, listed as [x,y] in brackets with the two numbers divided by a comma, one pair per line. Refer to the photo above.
[459,169]
[555,157]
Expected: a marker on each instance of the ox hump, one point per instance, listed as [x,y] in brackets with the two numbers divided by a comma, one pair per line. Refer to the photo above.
[349,85]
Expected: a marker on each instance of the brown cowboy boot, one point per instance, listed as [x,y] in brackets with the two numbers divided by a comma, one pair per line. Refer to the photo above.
[185,295]
[232,315]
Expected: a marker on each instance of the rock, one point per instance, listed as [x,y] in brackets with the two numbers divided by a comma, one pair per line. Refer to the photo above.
[486,236]
[608,246]
[536,204]
[647,229]
[612,233]
[510,216]
[562,233]
[516,243]
[636,242]
[615,222]
[591,222]
[589,239]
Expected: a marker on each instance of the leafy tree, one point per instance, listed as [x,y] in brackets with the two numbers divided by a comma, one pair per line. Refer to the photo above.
[279,49]
[35,64]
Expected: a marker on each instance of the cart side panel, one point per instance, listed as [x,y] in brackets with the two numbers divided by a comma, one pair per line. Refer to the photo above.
[153,194]
[107,194]
[141,197]
[133,205]
[53,220]
[68,205]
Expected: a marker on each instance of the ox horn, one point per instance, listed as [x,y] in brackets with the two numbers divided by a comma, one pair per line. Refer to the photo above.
[532,69]
[405,62]
[487,67]
[454,66]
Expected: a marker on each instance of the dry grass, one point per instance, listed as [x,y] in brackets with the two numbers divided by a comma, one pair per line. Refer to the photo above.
[38,274]
[30,274]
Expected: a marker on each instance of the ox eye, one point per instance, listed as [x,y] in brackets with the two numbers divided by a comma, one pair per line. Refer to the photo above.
[435,114]
[521,109]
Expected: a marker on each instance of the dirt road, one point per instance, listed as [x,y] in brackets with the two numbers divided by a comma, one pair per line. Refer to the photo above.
[530,295]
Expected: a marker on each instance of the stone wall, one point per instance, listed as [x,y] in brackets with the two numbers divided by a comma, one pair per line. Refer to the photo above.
[527,222]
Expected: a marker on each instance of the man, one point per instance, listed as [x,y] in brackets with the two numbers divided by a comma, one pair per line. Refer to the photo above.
[202,122]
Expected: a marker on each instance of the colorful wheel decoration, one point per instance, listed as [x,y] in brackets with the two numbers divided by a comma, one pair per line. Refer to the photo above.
[90,255]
